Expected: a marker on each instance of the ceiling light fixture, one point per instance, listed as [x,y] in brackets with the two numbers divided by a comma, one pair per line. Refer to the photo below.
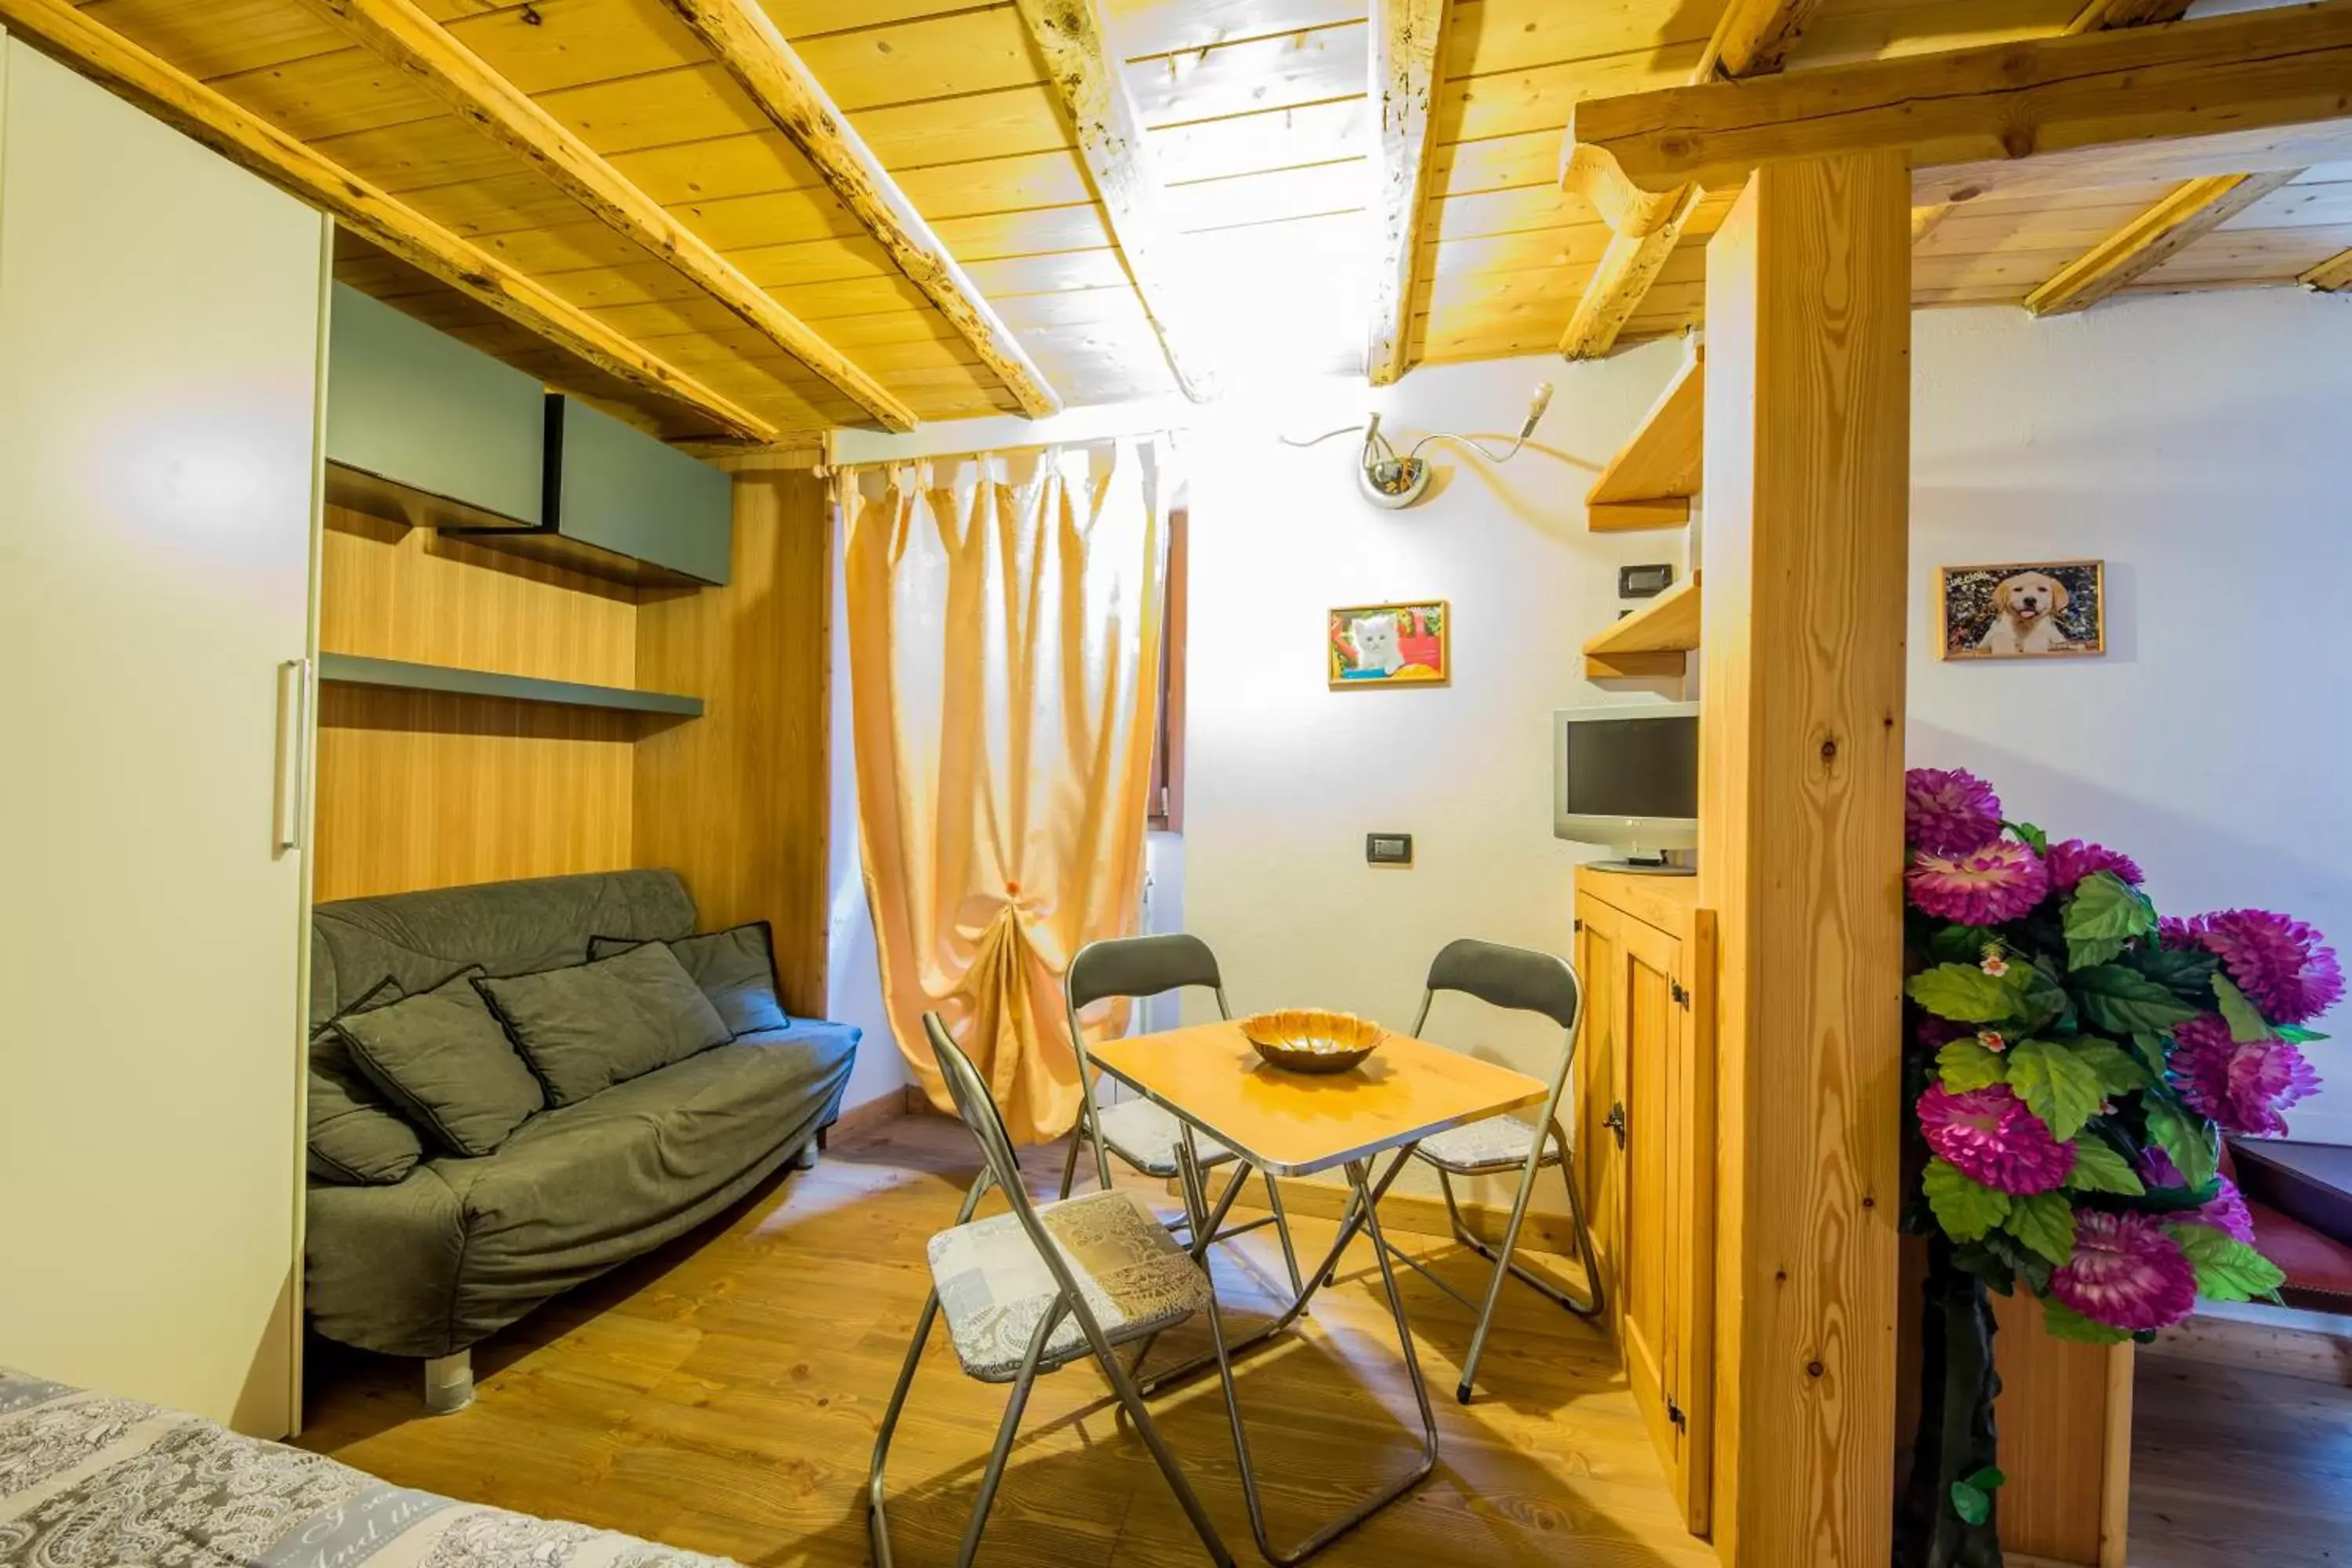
[1394,480]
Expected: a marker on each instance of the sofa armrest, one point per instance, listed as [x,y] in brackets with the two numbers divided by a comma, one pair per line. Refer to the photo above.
[382,1264]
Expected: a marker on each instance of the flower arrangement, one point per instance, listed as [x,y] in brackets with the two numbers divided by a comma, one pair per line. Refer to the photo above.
[2074,1058]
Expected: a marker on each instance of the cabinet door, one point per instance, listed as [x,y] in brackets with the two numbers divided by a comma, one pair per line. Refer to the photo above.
[1599,1158]
[159,350]
[1652,1146]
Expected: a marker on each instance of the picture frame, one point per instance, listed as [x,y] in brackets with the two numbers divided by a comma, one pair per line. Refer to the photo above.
[1410,643]
[2022,609]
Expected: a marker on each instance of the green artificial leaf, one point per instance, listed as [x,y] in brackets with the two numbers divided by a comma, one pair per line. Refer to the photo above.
[2021,1259]
[2246,1024]
[2227,1268]
[2298,1033]
[1987,1480]
[2119,1072]
[2083,953]
[2105,905]
[1965,1065]
[2044,1222]
[1964,1208]
[2056,1085]
[2186,1141]
[2030,835]
[2065,1323]
[2099,1169]
[1972,1503]
[1964,993]
[1975,1258]
[2186,972]
[1961,944]
[2155,1051]
[2044,1002]
[2124,1000]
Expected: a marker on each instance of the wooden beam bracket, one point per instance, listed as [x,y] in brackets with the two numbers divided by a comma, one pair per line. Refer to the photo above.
[1408,41]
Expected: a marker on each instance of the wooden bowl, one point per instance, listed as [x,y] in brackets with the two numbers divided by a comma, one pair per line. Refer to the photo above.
[1310,1039]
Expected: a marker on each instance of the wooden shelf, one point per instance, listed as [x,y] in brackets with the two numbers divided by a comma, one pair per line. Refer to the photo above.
[353,669]
[1650,641]
[1649,483]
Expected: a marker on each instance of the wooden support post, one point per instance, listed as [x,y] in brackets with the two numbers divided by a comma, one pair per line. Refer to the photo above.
[1801,852]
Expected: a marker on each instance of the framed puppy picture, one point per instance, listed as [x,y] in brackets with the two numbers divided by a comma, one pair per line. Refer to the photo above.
[1389,645]
[2024,609]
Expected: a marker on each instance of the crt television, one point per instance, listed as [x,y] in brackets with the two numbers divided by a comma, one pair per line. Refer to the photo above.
[1627,775]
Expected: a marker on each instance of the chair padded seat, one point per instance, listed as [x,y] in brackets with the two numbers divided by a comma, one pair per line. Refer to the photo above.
[1496,1144]
[1146,1137]
[994,1288]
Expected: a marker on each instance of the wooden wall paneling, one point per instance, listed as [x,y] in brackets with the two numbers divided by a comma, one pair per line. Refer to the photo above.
[1808,441]
[2055,1416]
[737,800]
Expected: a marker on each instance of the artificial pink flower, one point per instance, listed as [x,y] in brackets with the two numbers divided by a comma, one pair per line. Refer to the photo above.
[2227,1212]
[1948,811]
[2283,965]
[1998,882]
[2174,933]
[2073,859]
[1989,1137]
[2242,1084]
[2125,1272]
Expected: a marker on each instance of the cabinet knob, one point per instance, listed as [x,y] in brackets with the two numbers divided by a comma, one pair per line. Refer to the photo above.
[1615,1121]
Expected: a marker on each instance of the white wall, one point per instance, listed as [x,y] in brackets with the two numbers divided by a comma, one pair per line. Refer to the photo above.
[2200,443]
[1284,776]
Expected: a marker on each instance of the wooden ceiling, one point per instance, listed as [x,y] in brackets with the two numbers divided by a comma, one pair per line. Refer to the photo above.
[1249,217]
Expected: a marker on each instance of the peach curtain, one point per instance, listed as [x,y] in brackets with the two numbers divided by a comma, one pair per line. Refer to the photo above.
[1004,624]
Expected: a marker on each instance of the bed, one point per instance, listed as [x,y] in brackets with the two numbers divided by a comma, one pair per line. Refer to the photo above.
[88,1480]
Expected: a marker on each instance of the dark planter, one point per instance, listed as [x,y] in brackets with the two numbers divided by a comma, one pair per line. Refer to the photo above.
[1955,1438]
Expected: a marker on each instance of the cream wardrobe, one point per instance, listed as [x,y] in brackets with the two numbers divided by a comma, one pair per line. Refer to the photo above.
[160,335]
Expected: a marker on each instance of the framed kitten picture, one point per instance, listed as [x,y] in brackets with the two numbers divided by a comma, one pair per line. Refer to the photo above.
[1389,645]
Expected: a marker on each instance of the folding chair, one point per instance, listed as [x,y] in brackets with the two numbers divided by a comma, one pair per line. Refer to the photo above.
[1521,981]
[1139,1133]
[1035,1290]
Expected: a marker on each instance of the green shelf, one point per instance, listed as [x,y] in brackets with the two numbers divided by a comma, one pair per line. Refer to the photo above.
[352,669]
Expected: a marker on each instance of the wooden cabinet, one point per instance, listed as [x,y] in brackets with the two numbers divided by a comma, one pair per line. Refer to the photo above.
[1645,1152]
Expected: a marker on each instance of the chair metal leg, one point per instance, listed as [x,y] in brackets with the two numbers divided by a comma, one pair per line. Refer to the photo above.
[993,1476]
[876,1526]
[1504,1267]
[1070,1165]
[1358,1173]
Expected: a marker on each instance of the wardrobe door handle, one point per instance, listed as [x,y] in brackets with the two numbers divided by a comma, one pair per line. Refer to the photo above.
[293,755]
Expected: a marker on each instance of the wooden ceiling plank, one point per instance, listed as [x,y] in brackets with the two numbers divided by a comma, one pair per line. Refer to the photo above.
[2246,72]
[1086,80]
[2193,211]
[401,33]
[1752,36]
[2100,15]
[2333,275]
[741,36]
[1408,40]
[218,122]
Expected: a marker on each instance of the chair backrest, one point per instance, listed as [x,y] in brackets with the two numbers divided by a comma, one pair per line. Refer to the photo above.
[1142,967]
[1517,979]
[978,1109]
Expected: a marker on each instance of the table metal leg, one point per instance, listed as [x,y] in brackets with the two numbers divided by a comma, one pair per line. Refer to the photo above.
[1197,1364]
[1367,1205]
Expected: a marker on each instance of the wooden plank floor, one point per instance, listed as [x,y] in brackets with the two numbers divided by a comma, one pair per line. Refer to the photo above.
[2237,1466]
[722,1394]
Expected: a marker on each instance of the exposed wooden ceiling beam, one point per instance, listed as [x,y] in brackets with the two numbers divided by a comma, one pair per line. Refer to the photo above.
[405,37]
[1086,76]
[1752,36]
[2249,71]
[2104,14]
[58,30]
[743,38]
[2332,275]
[2196,210]
[1408,40]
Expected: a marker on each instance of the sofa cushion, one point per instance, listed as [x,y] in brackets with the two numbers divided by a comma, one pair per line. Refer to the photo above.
[507,928]
[588,1026]
[443,1059]
[735,968]
[354,1135]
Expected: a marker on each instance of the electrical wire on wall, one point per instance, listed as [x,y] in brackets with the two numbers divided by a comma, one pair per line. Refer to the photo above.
[1394,480]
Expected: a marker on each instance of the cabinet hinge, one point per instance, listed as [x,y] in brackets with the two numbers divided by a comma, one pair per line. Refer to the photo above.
[1674,1413]
[1577,924]
[1615,1121]
[1682,998]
